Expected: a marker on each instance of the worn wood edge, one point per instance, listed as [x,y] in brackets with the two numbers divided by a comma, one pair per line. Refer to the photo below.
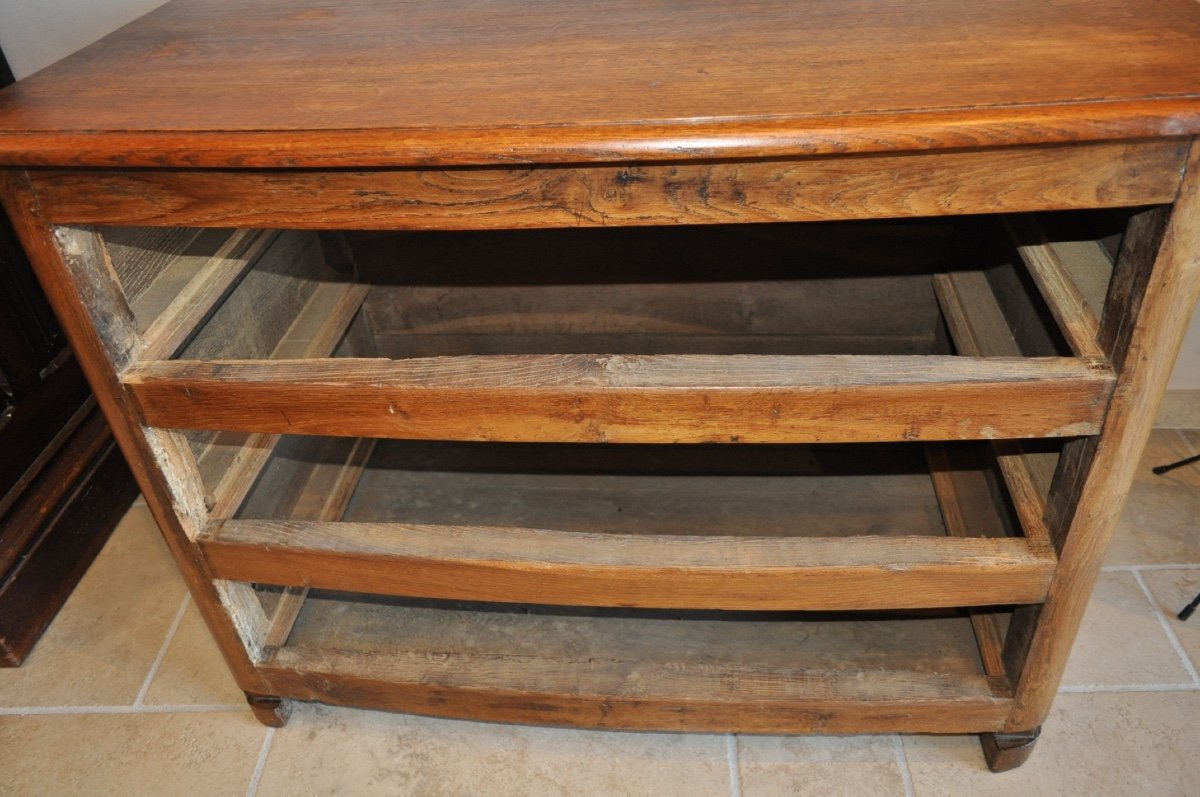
[610,398]
[977,328]
[235,485]
[513,565]
[283,619]
[946,490]
[393,683]
[1027,498]
[287,610]
[897,131]
[168,333]
[1078,322]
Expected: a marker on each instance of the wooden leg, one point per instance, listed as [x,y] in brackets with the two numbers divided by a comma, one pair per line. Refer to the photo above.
[270,710]
[1005,751]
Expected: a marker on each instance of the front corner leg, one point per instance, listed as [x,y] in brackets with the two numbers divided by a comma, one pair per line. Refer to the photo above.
[270,710]
[1005,751]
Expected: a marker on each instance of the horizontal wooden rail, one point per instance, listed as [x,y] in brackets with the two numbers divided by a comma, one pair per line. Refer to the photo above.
[973,180]
[320,326]
[957,502]
[518,565]
[978,328]
[632,399]
[325,497]
[646,695]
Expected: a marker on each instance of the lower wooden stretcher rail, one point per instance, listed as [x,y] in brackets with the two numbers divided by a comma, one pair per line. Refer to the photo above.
[519,565]
[752,672]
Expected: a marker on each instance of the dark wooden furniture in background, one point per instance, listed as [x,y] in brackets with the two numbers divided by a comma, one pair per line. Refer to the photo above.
[364,449]
[63,482]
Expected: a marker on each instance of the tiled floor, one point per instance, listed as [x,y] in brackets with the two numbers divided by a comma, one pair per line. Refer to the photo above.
[126,694]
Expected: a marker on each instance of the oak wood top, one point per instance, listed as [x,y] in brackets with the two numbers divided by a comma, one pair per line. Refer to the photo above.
[388,82]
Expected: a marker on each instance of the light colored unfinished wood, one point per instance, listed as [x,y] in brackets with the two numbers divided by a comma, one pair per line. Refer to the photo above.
[954,499]
[815,189]
[536,565]
[776,674]
[140,256]
[978,328]
[659,398]
[1077,319]
[198,298]
[283,618]
[315,333]
[1090,267]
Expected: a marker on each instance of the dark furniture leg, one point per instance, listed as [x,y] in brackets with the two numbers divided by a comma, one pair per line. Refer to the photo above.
[1005,751]
[270,710]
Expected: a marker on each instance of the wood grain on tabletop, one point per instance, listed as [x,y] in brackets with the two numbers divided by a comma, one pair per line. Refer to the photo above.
[375,82]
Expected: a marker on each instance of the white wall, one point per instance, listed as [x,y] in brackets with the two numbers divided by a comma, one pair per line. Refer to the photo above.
[36,33]
[1187,368]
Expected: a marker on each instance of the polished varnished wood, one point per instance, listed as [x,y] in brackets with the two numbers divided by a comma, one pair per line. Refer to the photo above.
[633,399]
[384,82]
[813,189]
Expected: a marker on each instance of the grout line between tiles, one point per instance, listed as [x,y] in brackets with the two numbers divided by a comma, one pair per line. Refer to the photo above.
[1166,626]
[731,755]
[1135,568]
[162,651]
[902,765]
[1088,689]
[1187,443]
[32,711]
[261,764]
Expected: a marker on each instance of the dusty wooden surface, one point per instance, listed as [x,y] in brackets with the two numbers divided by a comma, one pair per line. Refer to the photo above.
[712,671]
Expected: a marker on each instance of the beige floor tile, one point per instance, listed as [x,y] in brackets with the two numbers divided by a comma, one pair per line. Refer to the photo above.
[193,672]
[1121,641]
[190,754]
[327,751]
[1107,745]
[1172,590]
[101,646]
[857,766]
[1157,526]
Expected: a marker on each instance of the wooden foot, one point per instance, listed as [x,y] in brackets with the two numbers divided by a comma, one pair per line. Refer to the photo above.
[270,710]
[1005,751]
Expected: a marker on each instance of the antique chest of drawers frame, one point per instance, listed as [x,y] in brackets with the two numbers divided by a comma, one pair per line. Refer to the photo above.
[1119,306]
